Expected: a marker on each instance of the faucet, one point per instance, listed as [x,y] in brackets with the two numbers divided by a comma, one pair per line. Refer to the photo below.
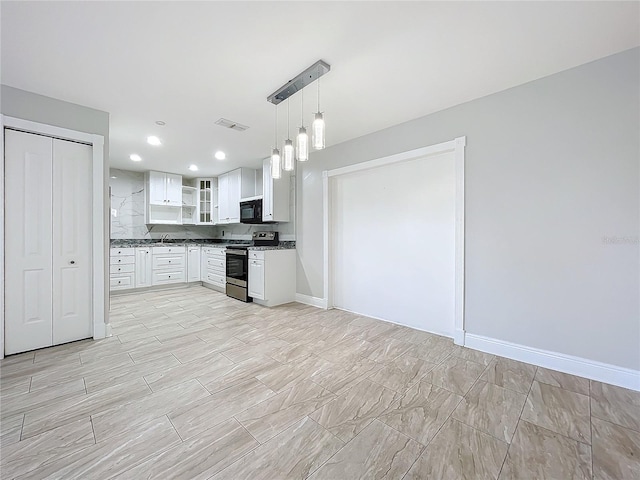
[164,237]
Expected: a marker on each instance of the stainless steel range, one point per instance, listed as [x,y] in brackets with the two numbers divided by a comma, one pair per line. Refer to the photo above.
[238,264]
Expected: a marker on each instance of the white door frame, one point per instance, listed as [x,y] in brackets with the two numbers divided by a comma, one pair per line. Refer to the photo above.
[456,146]
[98,204]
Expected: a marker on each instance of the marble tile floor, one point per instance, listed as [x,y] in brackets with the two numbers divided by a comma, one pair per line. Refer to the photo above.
[194,385]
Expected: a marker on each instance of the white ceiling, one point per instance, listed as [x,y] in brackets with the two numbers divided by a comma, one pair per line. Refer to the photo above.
[190,63]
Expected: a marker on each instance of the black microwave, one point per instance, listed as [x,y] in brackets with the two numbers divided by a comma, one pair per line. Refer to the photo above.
[251,211]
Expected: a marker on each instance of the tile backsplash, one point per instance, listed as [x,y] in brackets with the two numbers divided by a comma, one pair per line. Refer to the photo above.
[127,216]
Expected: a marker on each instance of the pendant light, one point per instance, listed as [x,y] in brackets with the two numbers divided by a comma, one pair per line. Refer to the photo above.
[287,151]
[275,154]
[317,128]
[302,140]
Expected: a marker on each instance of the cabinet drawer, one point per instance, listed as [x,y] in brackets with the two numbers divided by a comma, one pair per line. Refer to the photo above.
[123,260]
[219,280]
[215,263]
[143,249]
[165,250]
[122,268]
[218,252]
[122,251]
[168,276]
[121,281]
[164,261]
[217,271]
[256,254]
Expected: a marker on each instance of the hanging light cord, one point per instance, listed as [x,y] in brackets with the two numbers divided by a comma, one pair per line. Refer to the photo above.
[318,89]
[302,107]
[288,136]
[275,132]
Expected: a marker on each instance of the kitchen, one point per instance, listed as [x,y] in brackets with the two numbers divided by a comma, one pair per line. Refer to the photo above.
[245,208]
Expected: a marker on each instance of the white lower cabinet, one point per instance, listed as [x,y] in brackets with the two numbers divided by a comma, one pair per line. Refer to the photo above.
[169,265]
[272,276]
[122,268]
[143,267]
[256,279]
[193,264]
[213,270]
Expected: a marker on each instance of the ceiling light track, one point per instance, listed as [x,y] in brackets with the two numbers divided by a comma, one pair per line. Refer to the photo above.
[300,81]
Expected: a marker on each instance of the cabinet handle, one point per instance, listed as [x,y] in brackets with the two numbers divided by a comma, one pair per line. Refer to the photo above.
[119,260]
[72,262]
[119,269]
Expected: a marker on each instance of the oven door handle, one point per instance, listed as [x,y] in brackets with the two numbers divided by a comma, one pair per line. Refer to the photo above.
[236,252]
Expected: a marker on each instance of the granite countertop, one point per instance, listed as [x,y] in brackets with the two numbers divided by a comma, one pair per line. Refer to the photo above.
[123,243]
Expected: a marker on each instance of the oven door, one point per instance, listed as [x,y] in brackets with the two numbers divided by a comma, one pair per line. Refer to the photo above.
[237,267]
[251,211]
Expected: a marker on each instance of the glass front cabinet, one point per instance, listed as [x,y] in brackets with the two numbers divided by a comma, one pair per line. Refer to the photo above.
[207,201]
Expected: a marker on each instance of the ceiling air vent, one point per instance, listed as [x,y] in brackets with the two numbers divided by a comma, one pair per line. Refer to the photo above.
[223,122]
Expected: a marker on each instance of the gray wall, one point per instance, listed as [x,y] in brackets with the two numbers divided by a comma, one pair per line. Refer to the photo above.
[552,208]
[38,108]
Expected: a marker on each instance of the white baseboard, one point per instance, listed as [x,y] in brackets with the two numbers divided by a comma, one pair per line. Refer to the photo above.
[582,367]
[313,301]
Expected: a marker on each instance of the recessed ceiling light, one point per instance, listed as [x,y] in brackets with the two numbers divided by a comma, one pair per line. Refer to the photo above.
[220,155]
[113,176]
[160,122]
[193,168]
[135,157]
[153,140]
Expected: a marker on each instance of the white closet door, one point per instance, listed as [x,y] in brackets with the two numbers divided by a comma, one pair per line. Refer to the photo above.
[28,254]
[72,277]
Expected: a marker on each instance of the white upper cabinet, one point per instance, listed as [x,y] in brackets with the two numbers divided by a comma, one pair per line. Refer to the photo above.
[275,195]
[164,189]
[174,190]
[233,186]
[207,201]
[156,183]
[224,213]
[163,194]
